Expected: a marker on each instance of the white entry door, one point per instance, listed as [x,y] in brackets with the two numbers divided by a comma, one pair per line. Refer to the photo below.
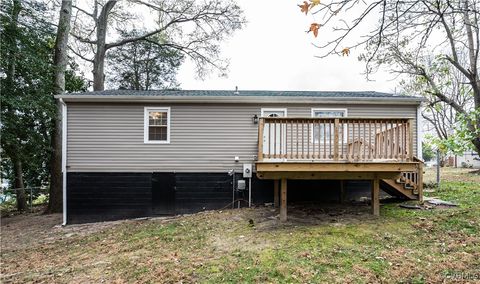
[274,137]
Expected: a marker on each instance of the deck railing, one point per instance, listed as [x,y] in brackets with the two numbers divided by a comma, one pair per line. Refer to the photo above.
[335,139]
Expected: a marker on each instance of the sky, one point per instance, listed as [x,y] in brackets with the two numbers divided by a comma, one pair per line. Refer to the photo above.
[274,52]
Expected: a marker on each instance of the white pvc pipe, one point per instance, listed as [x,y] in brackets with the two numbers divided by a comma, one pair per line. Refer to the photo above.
[249,192]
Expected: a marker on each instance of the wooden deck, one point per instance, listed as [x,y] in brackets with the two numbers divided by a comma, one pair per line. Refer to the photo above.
[380,150]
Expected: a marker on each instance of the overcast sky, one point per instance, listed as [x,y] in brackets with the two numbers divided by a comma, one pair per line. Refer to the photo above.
[273,52]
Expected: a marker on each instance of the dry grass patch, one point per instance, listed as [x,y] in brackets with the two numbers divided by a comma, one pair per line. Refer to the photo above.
[323,243]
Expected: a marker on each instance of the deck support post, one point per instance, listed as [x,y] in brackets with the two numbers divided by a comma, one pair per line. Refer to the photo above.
[283,201]
[276,193]
[420,181]
[376,196]
[342,191]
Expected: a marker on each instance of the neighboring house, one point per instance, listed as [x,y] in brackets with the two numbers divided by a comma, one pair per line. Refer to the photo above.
[469,159]
[142,153]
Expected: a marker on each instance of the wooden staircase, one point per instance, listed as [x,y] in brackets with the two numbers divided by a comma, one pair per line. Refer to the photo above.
[408,186]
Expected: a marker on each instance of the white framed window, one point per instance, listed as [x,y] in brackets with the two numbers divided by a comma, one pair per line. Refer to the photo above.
[273,112]
[322,133]
[156,125]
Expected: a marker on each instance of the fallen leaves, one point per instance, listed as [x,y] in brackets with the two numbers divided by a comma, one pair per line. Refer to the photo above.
[314,28]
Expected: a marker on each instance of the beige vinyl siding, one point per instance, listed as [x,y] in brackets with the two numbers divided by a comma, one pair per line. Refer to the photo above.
[203,137]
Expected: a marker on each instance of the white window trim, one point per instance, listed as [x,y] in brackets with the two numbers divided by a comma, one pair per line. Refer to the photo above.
[146,125]
[263,110]
[313,110]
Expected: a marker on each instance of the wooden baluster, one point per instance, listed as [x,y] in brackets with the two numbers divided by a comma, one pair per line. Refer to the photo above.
[303,140]
[319,139]
[280,146]
[335,139]
[397,148]
[308,139]
[394,148]
[401,141]
[410,140]
[360,140]
[260,140]
[323,145]
[385,153]
[347,122]
[353,139]
[291,139]
[285,129]
[342,131]
[391,139]
[275,142]
[357,145]
[269,141]
[369,139]
[383,139]
[376,139]
[405,142]
[297,148]
[380,145]
[364,144]
[312,122]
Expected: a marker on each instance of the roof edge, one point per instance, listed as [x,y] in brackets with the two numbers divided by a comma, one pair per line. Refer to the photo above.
[240,99]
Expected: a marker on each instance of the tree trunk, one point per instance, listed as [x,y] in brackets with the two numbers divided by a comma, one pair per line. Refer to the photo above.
[99,60]
[476,144]
[60,64]
[13,152]
[20,188]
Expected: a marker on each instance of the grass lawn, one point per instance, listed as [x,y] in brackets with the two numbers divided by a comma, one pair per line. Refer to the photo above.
[328,244]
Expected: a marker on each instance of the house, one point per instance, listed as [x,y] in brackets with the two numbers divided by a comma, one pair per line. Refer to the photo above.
[469,159]
[142,153]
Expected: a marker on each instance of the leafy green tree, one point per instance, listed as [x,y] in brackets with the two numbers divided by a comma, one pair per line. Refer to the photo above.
[444,120]
[428,153]
[142,65]
[26,95]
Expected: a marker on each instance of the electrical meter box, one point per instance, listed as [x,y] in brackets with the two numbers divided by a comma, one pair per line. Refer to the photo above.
[247,170]
[241,185]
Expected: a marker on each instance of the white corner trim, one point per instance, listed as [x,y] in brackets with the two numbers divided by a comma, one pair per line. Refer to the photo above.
[263,110]
[419,132]
[64,160]
[146,121]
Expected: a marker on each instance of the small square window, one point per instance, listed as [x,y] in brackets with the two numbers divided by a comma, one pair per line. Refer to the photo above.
[157,125]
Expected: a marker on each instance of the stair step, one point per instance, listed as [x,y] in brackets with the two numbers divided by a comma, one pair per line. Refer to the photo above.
[395,189]
[400,181]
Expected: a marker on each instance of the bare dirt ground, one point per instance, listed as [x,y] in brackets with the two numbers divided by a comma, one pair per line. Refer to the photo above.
[34,229]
